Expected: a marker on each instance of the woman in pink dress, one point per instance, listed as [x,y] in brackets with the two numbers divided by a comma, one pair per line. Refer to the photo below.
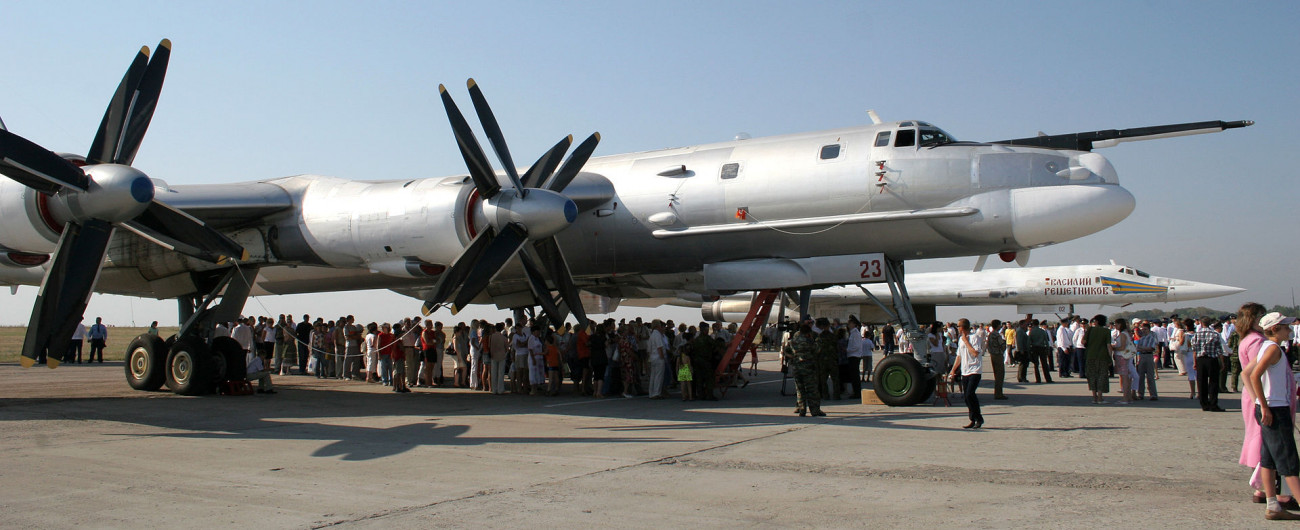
[1252,337]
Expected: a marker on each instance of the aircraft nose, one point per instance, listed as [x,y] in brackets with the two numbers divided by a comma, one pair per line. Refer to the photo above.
[1198,290]
[1054,214]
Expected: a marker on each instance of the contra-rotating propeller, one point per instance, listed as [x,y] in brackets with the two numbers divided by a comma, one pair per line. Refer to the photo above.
[532,209]
[84,204]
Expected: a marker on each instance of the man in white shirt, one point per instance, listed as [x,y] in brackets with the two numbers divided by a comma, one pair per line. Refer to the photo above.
[970,363]
[74,347]
[859,357]
[1064,349]
[1077,331]
[1162,344]
[243,334]
[657,348]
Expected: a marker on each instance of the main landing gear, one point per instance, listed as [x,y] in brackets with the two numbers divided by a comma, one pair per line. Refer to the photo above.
[901,379]
[192,362]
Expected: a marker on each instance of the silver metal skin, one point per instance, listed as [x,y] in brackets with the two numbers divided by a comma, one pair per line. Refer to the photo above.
[1112,285]
[626,229]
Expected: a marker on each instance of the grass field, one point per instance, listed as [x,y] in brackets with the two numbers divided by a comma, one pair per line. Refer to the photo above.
[11,341]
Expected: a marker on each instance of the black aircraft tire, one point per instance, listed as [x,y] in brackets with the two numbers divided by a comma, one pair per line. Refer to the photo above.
[190,368]
[229,357]
[145,357]
[901,381]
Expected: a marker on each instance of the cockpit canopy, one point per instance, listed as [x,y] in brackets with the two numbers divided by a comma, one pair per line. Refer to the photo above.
[915,134]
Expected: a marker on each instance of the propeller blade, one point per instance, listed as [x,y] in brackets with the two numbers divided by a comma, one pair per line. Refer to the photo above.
[35,167]
[479,168]
[65,290]
[143,104]
[494,257]
[549,252]
[546,164]
[182,232]
[456,274]
[493,130]
[543,295]
[109,135]
[574,164]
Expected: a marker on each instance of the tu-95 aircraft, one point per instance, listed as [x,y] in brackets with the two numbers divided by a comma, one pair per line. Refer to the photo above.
[793,212]
[1048,290]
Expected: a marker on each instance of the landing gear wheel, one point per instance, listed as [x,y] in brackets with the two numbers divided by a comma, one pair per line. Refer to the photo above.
[145,357]
[190,370]
[901,381]
[229,357]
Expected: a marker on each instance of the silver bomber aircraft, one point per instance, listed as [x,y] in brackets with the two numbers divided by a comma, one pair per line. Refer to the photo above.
[1032,289]
[795,212]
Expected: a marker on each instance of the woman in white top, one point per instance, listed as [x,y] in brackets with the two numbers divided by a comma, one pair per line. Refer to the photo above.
[971,364]
[372,353]
[1273,384]
[1121,350]
[938,355]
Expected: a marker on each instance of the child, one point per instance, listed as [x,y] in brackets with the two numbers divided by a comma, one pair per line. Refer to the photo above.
[684,375]
[1273,385]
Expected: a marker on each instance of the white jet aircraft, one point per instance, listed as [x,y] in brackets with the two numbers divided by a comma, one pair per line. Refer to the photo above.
[1032,289]
[796,211]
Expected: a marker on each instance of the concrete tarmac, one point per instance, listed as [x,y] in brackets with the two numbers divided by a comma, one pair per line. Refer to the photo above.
[84,450]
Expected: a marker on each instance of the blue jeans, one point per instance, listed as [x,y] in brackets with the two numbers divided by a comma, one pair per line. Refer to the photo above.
[386,370]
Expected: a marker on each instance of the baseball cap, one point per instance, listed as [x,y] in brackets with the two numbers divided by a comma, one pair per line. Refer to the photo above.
[1274,319]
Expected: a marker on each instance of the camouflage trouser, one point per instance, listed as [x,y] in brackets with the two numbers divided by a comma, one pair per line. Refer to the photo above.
[705,379]
[829,369]
[807,396]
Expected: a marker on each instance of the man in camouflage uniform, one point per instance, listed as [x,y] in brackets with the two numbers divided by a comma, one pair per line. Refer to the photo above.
[828,359]
[803,366]
[704,363]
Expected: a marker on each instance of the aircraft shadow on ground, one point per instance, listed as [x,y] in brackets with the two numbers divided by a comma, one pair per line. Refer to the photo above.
[313,413]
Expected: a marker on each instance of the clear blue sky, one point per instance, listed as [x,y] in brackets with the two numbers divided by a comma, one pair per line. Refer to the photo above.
[261,90]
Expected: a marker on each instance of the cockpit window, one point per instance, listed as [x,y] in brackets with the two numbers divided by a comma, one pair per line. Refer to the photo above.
[1142,274]
[905,138]
[931,137]
[882,139]
[830,151]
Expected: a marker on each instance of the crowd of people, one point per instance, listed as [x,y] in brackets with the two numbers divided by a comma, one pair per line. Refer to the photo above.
[609,358]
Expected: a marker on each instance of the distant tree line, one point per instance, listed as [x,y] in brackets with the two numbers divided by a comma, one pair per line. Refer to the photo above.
[1193,313]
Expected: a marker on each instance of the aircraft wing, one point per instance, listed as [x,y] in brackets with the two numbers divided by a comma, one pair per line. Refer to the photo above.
[228,206]
[1087,141]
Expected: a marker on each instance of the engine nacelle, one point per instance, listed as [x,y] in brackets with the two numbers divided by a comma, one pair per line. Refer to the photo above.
[28,225]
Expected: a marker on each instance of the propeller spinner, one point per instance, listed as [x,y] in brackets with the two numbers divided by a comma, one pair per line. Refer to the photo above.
[533,209]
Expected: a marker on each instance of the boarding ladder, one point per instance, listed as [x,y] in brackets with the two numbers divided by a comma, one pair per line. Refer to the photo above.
[743,341]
